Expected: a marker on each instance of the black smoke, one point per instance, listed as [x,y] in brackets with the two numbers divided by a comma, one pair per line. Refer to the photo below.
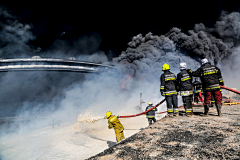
[146,54]
[15,36]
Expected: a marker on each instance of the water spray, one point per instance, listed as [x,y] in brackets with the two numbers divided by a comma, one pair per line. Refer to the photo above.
[89,120]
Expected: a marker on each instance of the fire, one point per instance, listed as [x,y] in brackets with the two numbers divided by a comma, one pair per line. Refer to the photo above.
[124,83]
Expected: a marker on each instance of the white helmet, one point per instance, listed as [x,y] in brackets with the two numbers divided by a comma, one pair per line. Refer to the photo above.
[183,66]
[204,60]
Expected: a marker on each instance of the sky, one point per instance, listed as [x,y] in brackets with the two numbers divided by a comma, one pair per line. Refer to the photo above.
[112,25]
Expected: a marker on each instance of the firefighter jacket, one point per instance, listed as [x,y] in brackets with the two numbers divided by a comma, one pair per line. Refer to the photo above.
[198,86]
[210,76]
[184,83]
[168,83]
[113,122]
[150,114]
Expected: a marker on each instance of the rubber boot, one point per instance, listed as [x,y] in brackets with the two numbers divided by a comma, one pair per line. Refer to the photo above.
[219,107]
[189,114]
[169,115]
[176,114]
[206,109]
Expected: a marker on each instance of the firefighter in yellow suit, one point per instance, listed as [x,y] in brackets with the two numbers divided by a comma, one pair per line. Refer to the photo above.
[113,122]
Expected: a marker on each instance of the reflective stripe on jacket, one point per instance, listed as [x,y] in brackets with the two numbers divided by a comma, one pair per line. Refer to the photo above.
[150,114]
[113,122]
[184,82]
[168,83]
[211,77]
[198,86]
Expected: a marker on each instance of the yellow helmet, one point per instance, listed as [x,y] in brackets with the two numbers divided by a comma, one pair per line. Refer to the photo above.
[149,103]
[165,67]
[108,114]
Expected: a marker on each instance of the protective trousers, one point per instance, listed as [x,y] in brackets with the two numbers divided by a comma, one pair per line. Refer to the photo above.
[119,134]
[198,96]
[187,103]
[217,96]
[172,104]
[150,120]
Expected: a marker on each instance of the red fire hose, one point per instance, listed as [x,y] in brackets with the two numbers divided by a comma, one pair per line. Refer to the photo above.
[166,111]
[230,89]
[142,112]
[146,111]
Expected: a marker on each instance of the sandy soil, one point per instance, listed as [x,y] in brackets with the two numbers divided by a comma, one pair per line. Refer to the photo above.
[196,137]
[62,142]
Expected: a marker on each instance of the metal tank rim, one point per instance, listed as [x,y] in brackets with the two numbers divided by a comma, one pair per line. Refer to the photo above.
[76,65]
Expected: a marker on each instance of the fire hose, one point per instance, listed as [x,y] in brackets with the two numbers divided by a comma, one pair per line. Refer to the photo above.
[146,111]
[166,111]
[230,101]
[230,89]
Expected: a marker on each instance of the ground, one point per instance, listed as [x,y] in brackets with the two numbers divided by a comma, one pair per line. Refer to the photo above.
[196,137]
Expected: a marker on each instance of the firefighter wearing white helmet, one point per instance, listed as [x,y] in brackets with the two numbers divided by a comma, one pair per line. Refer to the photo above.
[113,122]
[168,89]
[211,78]
[151,114]
[185,87]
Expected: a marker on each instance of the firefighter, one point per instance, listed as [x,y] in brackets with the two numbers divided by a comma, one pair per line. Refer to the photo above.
[211,78]
[185,88]
[113,122]
[198,90]
[168,89]
[151,114]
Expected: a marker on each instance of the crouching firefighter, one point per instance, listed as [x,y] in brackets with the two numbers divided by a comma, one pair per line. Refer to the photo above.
[151,114]
[113,122]
[185,88]
[168,89]
[211,78]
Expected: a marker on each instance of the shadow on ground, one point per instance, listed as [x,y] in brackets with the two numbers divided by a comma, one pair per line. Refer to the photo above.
[110,143]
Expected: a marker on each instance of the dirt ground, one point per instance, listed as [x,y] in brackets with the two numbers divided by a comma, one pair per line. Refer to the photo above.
[196,137]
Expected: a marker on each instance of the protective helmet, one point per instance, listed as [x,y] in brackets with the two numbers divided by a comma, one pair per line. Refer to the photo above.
[149,103]
[183,66]
[165,67]
[204,60]
[108,114]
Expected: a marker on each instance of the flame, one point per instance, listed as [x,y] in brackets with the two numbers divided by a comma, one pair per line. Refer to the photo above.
[124,83]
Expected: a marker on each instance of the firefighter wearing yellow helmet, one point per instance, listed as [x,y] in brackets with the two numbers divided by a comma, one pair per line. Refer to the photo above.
[113,122]
[151,114]
[168,89]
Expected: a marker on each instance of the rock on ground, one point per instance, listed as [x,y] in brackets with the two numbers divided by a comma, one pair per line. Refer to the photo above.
[196,137]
